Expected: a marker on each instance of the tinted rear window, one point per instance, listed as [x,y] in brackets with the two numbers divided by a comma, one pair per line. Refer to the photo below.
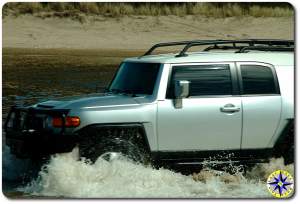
[258,79]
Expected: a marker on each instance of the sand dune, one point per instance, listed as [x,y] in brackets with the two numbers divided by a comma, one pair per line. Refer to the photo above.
[136,32]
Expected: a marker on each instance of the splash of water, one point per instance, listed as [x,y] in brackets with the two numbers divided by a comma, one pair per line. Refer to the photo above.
[66,176]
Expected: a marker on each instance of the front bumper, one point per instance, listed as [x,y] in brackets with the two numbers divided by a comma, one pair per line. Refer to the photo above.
[38,144]
[27,136]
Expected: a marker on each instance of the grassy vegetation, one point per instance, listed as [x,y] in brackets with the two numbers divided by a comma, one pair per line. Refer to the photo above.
[217,10]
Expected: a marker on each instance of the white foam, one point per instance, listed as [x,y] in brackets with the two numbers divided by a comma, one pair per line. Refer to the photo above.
[69,177]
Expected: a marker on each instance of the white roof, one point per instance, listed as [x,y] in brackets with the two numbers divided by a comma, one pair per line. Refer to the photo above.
[274,58]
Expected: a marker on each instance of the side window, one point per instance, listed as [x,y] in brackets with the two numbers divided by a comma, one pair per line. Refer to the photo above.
[204,79]
[257,79]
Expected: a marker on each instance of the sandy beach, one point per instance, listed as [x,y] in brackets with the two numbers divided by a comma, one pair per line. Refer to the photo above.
[135,32]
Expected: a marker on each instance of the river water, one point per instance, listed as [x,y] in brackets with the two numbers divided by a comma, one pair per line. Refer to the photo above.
[67,176]
[27,79]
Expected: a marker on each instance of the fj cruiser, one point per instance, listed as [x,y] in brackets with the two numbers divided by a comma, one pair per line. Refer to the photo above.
[234,97]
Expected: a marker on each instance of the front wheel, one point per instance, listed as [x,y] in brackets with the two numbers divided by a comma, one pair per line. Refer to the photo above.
[113,146]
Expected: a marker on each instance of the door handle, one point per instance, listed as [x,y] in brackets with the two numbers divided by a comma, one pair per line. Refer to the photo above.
[229,108]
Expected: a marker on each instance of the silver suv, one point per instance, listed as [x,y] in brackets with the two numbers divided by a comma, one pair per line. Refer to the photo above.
[236,97]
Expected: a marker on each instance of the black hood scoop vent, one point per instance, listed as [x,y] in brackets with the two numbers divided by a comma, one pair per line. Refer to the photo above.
[44,106]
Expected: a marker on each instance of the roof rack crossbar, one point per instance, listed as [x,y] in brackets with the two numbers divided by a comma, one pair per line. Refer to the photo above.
[215,45]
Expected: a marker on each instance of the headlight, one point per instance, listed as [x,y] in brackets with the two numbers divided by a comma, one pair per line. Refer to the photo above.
[70,121]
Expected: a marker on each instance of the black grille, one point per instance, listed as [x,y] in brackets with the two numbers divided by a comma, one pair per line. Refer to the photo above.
[22,118]
[34,122]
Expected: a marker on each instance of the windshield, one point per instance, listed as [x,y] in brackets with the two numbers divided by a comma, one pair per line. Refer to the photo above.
[135,78]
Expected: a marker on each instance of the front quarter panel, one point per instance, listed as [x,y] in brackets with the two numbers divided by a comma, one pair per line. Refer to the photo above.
[145,114]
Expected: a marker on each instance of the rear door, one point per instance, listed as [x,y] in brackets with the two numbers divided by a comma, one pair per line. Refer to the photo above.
[261,102]
[203,122]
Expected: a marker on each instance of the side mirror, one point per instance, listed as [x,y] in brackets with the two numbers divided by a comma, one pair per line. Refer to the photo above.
[181,90]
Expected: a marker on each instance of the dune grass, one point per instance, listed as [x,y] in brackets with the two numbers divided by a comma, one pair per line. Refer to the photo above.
[217,10]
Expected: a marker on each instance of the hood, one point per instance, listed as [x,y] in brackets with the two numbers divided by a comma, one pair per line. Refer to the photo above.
[92,101]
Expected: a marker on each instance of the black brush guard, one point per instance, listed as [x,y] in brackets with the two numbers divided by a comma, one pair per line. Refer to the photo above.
[28,134]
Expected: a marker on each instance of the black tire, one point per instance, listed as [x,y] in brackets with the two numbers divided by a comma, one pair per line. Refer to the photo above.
[285,147]
[99,144]
[289,153]
[289,156]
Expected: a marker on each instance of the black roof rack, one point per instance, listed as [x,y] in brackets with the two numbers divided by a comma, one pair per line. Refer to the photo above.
[264,48]
[251,44]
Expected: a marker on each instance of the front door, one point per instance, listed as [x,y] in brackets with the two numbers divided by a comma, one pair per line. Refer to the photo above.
[210,118]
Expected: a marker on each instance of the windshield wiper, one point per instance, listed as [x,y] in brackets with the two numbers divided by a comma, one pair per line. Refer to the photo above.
[115,91]
[124,92]
[129,92]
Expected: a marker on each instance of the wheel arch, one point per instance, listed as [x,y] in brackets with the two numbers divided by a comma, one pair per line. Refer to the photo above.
[94,128]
